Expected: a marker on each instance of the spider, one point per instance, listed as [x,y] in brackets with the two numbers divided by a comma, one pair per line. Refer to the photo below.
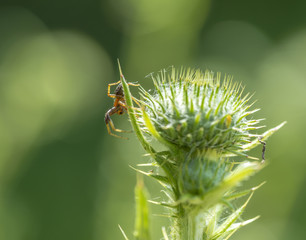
[119,107]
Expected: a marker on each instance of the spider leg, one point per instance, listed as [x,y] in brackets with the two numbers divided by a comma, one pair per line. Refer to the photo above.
[109,123]
[112,126]
[136,101]
[108,89]
[116,129]
[133,84]
[126,106]
[114,135]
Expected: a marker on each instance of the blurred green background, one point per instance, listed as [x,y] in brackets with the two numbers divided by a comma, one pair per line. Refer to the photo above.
[63,177]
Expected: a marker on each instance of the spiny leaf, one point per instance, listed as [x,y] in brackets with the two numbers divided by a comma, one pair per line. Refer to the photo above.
[142,228]
[264,137]
[221,230]
[240,194]
[163,204]
[236,226]
[133,119]
[241,173]
[162,179]
[131,112]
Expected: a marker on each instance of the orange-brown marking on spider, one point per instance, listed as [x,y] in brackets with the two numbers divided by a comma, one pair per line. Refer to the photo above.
[119,107]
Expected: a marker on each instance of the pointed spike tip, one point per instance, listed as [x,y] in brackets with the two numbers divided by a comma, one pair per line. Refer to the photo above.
[120,70]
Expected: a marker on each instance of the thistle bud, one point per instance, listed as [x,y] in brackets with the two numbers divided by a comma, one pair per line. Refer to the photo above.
[199,175]
[191,110]
[202,122]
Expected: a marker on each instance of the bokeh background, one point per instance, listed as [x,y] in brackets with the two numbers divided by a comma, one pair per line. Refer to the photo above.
[63,177]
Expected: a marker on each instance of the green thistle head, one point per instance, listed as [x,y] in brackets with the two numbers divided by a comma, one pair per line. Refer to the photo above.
[202,122]
[192,110]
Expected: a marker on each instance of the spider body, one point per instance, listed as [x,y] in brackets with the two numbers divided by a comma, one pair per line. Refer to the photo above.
[119,107]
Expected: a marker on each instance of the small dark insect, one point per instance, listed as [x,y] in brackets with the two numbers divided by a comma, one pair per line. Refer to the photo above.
[119,107]
[263,149]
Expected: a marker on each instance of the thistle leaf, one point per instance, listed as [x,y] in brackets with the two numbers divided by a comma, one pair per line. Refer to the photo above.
[241,173]
[264,137]
[223,229]
[142,231]
[162,179]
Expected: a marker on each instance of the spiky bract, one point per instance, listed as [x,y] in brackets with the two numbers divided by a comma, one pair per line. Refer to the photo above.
[191,109]
[202,122]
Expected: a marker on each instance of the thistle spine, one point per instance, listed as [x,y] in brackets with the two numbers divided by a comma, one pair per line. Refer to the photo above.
[203,124]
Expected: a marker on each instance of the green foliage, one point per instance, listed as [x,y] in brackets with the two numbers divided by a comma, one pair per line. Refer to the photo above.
[202,123]
[142,231]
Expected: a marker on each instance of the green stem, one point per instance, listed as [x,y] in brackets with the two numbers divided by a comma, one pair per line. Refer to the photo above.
[191,226]
[147,147]
[131,112]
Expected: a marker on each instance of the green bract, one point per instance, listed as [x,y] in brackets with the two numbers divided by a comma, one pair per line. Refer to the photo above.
[203,123]
[191,109]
